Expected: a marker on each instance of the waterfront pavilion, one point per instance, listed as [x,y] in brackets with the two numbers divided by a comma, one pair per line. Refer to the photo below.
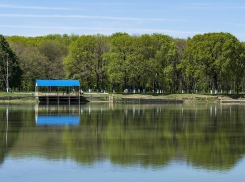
[69,91]
[56,83]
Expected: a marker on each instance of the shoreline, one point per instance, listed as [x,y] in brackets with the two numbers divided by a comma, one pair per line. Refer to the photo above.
[138,98]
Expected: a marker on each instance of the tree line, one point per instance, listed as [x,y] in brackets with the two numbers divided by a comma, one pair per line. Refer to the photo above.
[149,62]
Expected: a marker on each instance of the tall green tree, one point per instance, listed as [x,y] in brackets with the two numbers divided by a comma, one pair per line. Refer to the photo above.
[213,58]
[32,64]
[233,67]
[167,60]
[102,46]
[14,72]
[181,46]
[143,66]
[54,53]
[79,64]
[156,57]
[118,59]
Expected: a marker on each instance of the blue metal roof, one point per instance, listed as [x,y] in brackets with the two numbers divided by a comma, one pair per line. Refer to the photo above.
[58,120]
[57,83]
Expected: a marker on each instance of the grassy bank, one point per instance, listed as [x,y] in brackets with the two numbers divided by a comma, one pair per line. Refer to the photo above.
[28,97]
[165,96]
[17,97]
[21,94]
[185,97]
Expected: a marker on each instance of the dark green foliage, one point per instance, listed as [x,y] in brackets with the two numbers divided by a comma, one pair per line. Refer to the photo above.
[79,64]
[54,52]
[144,62]
[212,61]
[14,72]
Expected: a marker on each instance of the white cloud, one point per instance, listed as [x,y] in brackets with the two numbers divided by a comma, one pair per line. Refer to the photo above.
[102,29]
[236,24]
[33,7]
[87,17]
[213,6]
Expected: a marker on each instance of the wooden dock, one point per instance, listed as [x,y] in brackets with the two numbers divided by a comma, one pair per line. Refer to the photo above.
[58,98]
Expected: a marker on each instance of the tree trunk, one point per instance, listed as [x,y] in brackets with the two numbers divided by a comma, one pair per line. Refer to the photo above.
[215,82]
[237,88]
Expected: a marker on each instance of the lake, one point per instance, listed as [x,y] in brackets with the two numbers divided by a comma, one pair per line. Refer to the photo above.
[122,142]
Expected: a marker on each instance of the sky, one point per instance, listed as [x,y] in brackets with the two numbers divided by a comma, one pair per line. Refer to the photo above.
[177,18]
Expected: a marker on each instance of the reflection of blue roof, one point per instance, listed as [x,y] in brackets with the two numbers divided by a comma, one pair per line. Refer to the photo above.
[57,120]
[57,83]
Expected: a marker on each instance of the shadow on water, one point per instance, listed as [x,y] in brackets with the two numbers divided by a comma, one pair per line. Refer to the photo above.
[210,137]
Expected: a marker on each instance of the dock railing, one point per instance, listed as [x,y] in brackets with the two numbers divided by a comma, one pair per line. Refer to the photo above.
[58,94]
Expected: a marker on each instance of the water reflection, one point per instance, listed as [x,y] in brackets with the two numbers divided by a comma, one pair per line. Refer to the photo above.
[7,138]
[57,115]
[210,137]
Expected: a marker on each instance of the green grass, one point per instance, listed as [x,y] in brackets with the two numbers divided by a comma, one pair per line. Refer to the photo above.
[190,97]
[131,95]
[14,94]
[17,97]
[164,96]
[29,96]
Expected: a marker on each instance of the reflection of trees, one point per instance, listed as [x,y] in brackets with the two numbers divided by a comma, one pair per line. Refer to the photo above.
[9,130]
[210,137]
[218,143]
[155,137]
[2,138]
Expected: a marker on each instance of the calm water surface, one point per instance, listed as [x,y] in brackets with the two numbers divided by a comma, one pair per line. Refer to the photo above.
[119,142]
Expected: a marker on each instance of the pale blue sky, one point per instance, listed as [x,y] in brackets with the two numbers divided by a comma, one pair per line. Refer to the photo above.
[177,18]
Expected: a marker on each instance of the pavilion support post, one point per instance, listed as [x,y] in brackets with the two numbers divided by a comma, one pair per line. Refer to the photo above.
[47,99]
[69,98]
[79,95]
[58,96]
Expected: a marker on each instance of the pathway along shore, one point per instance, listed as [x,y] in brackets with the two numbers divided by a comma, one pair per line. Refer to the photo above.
[137,98]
